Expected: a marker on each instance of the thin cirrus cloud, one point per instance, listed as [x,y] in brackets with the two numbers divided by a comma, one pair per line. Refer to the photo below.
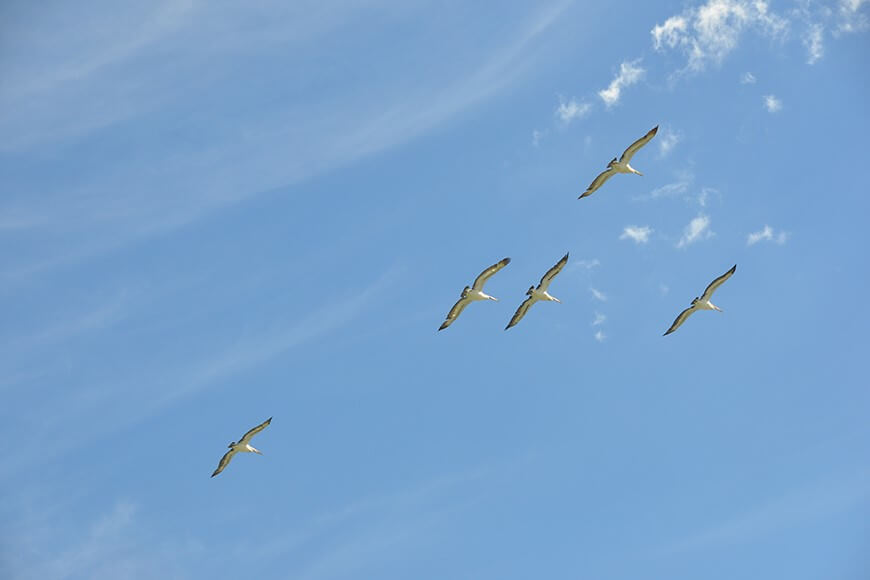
[747,79]
[571,110]
[697,229]
[638,234]
[599,319]
[600,336]
[629,74]
[709,32]
[274,146]
[766,234]
[598,294]
[668,139]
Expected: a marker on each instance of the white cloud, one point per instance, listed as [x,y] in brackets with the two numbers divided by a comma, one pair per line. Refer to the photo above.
[772,104]
[629,74]
[640,234]
[708,33]
[667,141]
[814,42]
[600,336]
[568,111]
[599,319]
[536,138]
[766,234]
[747,79]
[698,229]
[598,294]
[851,17]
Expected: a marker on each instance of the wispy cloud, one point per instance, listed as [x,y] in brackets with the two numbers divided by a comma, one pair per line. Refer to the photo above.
[766,234]
[747,79]
[697,229]
[629,74]
[813,40]
[571,110]
[584,264]
[793,508]
[639,234]
[599,319]
[667,140]
[536,137]
[598,295]
[851,17]
[600,336]
[709,32]
[123,401]
[109,547]
[208,166]
[772,104]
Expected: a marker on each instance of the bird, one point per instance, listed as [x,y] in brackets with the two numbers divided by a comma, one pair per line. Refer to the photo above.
[243,445]
[621,165]
[474,292]
[539,293]
[702,303]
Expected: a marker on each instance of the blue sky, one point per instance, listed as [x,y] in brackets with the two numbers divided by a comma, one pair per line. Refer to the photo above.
[214,213]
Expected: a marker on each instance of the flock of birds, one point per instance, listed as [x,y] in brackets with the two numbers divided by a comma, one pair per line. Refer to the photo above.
[475,293]
[622,164]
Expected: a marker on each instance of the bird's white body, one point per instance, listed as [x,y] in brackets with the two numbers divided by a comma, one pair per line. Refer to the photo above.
[247,448]
[476,295]
[620,167]
[542,295]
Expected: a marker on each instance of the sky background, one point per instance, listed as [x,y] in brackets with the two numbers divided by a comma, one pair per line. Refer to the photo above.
[217,212]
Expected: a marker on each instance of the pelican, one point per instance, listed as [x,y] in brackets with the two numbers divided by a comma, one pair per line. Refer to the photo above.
[474,292]
[620,166]
[539,293]
[243,445]
[702,303]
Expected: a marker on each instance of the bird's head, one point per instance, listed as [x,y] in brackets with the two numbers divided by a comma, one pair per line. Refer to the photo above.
[231,445]
[465,291]
[612,162]
[530,290]
[694,300]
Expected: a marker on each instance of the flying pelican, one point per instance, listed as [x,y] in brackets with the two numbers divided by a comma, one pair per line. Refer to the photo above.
[243,445]
[702,303]
[539,293]
[620,166]
[474,293]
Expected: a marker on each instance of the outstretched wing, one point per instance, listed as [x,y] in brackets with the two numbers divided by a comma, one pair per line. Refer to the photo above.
[455,312]
[487,274]
[246,438]
[598,182]
[521,311]
[633,148]
[225,460]
[681,319]
[708,292]
[551,273]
